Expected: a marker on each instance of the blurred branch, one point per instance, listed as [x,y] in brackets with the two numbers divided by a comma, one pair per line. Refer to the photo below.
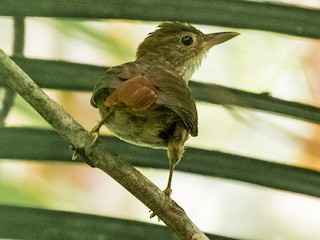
[18,47]
[210,163]
[8,97]
[80,77]
[233,97]
[31,223]
[98,155]
[274,17]
[19,36]
[104,41]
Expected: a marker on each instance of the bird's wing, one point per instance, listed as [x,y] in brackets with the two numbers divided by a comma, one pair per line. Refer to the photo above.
[113,78]
[174,93]
[139,86]
[137,94]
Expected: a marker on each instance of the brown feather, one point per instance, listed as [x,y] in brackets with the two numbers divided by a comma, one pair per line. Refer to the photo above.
[153,86]
[137,94]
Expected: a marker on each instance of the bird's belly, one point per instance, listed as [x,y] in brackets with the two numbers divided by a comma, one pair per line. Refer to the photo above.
[150,129]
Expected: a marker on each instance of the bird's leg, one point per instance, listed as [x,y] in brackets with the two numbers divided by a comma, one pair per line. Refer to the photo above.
[168,189]
[175,152]
[95,130]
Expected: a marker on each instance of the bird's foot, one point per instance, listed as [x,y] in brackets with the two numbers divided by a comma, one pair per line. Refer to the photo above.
[95,130]
[74,152]
[167,192]
[152,215]
[95,135]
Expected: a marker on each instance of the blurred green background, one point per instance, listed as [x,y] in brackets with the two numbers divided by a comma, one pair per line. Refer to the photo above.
[286,67]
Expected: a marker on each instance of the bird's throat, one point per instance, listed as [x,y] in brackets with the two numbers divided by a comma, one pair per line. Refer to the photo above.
[184,67]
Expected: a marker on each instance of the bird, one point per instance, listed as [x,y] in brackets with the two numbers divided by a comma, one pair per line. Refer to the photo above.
[147,102]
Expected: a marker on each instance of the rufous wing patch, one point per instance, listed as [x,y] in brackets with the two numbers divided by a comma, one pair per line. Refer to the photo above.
[137,94]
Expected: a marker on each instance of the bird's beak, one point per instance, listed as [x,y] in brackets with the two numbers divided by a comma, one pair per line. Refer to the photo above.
[216,38]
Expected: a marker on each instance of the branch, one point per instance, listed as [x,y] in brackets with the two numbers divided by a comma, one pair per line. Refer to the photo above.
[77,78]
[233,97]
[268,16]
[98,155]
[19,36]
[209,162]
[35,223]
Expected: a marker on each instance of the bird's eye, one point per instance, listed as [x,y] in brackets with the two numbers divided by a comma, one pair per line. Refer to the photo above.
[187,40]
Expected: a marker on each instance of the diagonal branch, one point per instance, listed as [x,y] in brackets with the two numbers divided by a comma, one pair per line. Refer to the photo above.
[98,155]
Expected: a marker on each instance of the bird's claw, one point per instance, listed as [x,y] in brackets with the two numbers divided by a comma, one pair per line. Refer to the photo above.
[152,215]
[95,136]
[167,192]
[74,155]
[74,152]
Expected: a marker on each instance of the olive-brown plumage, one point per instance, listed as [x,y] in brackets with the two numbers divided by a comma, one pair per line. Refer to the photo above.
[148,102]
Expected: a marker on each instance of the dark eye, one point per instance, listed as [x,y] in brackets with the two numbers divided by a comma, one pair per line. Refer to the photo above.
[187,40]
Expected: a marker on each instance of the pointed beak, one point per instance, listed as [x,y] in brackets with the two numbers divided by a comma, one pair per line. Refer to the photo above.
[216,38]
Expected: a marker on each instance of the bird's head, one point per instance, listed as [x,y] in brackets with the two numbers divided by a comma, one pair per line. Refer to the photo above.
[179,46]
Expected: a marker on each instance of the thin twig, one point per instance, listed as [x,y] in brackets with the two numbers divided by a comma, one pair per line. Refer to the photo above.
[98,155]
